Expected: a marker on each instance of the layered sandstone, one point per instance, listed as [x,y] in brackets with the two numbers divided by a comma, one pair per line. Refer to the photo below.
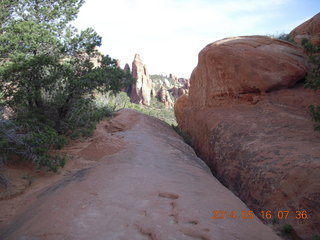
[141,89]
[248,118]
[154,188]
[309,30]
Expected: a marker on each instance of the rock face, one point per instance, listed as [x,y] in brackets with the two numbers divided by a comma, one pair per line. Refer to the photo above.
[252,129]
[155,188]
[141,90]
[164,97]
[309,30]
[244,65]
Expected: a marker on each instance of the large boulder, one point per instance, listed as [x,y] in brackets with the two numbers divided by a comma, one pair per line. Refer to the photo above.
[141,89]
[309,29]
[247,116]
[242,65]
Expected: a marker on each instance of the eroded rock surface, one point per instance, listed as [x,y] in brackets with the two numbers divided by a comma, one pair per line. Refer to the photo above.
[164,97]
[141,90]
[309,29]
[178,92]
[255,134]
[155,188]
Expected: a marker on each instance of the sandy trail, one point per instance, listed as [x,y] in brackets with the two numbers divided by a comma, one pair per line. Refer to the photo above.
[153,188]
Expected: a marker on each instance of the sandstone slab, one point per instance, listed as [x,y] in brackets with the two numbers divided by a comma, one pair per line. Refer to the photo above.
[155,188]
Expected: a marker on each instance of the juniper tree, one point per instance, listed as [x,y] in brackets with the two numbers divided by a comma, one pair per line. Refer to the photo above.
[47,73]
[45,61]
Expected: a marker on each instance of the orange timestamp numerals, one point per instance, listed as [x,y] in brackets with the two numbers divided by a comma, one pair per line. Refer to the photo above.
[232,215]
[300,214]
[284,214]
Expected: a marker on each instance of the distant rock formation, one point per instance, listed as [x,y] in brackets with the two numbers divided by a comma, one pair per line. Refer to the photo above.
[249,121]
[141,90]
[309,30]
[183,81]
[118,63]
[164,97]
[174,92]
[127,68]
[159,86]
[173,77]
[178,92]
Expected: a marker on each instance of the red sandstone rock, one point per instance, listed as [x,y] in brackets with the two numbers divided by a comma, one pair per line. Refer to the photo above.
[183,80]
[178,92]
[242,65]
[164,97]
[256,135]
[309,30]
[141,90]
[155,188]
[174,92]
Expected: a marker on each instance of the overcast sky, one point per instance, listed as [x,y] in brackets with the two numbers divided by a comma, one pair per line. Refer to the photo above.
[169,34]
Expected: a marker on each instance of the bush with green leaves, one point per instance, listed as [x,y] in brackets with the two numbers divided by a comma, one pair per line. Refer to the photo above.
[313,77]
[50,75]
[316,237]
[287,228]
[156,108]
[31,141]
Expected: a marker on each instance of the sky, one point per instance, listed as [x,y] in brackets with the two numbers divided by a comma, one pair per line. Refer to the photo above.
[169,34]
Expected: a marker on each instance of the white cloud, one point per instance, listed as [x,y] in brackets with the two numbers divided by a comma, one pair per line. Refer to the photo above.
[169,34]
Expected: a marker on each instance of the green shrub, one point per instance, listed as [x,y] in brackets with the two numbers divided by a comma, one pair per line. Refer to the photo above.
[32,144]
[316,237]
[315,114]
[287,228]
[50,81]
[82,118]
[313,77]
[309,47]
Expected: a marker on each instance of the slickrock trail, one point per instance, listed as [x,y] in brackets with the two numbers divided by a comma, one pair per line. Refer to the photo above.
[154,188]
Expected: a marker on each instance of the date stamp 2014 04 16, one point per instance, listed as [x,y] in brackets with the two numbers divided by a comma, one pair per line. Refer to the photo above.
[281,214]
